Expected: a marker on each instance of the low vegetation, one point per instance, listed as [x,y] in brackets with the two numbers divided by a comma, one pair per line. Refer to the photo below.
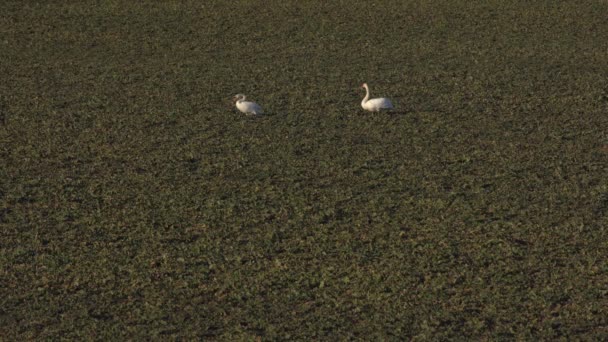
[137,203]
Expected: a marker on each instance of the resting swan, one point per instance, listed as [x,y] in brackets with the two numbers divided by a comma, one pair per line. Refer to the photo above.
[247,107]
[375,105]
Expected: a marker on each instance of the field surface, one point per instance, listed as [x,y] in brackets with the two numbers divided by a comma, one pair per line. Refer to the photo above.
[137,203]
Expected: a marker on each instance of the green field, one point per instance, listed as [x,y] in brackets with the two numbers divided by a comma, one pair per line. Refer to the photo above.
[137,203]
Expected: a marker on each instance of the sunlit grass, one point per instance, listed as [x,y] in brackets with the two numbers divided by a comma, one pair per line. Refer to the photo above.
[136,202]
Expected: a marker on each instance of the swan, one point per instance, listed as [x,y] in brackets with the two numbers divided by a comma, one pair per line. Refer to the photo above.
[375,105]
[247,107]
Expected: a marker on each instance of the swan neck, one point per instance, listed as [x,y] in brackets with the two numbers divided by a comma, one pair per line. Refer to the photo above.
[366,94]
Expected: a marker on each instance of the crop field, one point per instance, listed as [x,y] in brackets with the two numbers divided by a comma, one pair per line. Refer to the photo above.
[137,203]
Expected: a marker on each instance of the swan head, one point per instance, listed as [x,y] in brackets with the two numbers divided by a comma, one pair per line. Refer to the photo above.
[238,97]
[364,86]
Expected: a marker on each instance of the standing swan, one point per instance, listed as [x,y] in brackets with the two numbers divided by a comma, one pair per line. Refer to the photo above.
[375,105]
[247,107]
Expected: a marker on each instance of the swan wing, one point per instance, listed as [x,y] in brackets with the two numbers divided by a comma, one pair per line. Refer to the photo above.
[250,107]
[379,104]
[255,108]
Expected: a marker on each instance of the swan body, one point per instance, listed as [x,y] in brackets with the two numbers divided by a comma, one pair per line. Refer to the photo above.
[247,107]
[375,105]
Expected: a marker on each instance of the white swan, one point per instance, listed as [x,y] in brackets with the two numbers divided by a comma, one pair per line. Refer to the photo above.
[247,107]
[375,105]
